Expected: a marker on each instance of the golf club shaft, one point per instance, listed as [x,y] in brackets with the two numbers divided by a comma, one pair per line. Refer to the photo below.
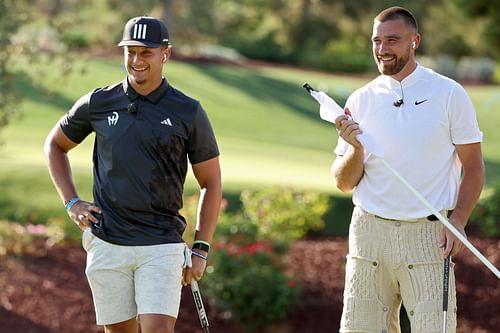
[446,288]
[199,305]
[444,221]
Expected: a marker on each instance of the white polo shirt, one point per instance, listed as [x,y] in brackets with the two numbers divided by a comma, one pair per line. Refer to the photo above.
[418,139]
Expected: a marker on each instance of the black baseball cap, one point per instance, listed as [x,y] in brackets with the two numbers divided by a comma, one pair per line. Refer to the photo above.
[145,31]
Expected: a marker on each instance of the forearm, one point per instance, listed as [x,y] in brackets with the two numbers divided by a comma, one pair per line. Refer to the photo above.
[209,207]
[469,192]
[348,170]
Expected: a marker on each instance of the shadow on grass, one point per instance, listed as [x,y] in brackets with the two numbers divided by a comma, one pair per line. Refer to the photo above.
[28,89]
[265,88]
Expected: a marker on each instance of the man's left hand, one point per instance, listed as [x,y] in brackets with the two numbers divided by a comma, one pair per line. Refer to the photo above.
[196,271]
[451,244]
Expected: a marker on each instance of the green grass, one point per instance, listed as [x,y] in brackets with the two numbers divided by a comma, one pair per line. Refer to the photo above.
[268,129]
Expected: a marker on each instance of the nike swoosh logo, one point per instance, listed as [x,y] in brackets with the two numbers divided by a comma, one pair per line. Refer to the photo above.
[420,102]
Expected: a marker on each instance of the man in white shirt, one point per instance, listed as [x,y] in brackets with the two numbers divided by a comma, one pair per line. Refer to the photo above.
[427,127]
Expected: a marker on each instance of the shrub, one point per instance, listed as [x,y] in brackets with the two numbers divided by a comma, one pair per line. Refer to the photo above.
[284,215]
[75,39]
[190,212]
[347,56]
[487,214]
[32,239]
[246,275]
[249,282]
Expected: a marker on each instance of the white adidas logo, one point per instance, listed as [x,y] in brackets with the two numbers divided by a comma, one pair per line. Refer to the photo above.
[166,122]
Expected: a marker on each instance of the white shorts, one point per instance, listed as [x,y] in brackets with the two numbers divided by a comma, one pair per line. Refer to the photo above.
[390,262]
[127,281]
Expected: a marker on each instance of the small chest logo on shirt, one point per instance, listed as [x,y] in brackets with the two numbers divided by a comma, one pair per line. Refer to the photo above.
[113,120]
[166,122]
[420,102]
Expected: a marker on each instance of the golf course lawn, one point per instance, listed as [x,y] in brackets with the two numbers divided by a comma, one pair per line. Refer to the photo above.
[268,128]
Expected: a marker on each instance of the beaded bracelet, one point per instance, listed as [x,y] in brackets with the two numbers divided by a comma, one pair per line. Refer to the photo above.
[72,202]
[201,245]
[199,255]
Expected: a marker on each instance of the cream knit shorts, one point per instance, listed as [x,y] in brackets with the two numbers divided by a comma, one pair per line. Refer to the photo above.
[390,262]
[127,281]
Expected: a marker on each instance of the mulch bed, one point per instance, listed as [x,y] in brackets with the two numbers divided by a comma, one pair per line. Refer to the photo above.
[49,293]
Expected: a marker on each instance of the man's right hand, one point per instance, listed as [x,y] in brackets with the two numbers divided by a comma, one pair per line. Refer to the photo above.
[347,129]
[82,213]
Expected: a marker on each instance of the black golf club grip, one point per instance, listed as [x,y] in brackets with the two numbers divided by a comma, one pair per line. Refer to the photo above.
[307,87]
[446,282]
[199,306]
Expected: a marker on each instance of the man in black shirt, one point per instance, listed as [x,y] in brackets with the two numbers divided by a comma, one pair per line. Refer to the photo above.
[145,132]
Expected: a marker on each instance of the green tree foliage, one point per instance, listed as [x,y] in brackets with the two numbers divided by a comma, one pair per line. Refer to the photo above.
[29,32]
[330,34]
[11,17]
[327,34]
[489,12]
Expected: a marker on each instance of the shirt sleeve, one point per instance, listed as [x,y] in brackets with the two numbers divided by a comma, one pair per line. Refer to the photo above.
[464,126]
[202,144]
[76,123]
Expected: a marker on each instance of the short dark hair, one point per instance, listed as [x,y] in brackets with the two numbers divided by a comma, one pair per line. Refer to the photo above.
[395,13]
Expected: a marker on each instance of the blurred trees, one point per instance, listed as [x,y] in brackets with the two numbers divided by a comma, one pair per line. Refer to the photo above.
[327,34]
[488,12]
[309,32]
[11,18]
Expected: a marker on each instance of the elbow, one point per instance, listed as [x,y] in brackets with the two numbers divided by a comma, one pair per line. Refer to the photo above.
[475,172]
[480,173]
[48,147]
[342,182]
[344,187]
[212,185]
[50,144]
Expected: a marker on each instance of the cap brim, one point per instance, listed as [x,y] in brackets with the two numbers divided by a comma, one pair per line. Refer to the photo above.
[138,43]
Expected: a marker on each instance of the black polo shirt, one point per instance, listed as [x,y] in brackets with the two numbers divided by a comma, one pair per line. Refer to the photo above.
[141,153]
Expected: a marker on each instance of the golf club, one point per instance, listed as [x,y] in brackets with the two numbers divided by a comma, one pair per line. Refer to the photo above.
[330,110]
[199,306]
[446,285]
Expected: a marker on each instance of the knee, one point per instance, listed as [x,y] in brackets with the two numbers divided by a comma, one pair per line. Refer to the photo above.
[129,326]
[157,324]
[157,329]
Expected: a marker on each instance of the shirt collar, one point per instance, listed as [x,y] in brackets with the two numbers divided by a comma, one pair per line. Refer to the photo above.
[153,97]
[414,76]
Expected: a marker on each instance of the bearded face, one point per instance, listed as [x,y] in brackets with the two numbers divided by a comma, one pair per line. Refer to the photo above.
[391,64]
[392,48]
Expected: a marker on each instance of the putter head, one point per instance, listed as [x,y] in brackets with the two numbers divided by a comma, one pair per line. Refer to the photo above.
[308,88]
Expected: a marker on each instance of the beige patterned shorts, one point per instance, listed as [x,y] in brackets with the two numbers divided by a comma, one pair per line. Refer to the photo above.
[127,281]
[390,262]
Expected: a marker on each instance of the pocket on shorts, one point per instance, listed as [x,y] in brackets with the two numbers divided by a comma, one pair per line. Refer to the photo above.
[360,276]
[363,311]
[426,317]
[424,299]
[87,238]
